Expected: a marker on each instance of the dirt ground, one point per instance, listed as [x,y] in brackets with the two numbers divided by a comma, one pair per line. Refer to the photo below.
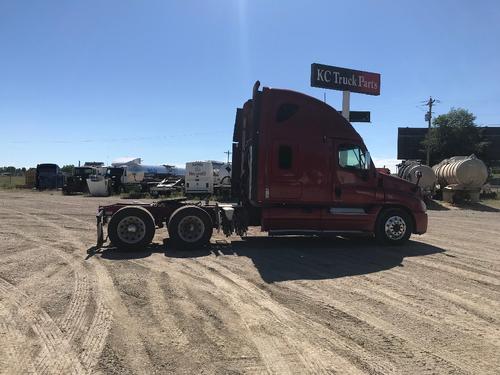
[254,305]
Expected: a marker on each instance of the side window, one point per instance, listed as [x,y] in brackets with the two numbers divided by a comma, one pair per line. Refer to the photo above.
[284,157]
[286,111]
[352,157]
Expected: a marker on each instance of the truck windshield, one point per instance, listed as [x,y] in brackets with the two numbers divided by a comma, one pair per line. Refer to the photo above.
[353,157]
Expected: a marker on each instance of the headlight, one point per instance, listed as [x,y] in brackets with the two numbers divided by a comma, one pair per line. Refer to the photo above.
[423,205]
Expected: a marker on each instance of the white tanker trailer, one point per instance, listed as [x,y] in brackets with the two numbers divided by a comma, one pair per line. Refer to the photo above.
[136,173]
[461,178]
[131,174]
[408,170]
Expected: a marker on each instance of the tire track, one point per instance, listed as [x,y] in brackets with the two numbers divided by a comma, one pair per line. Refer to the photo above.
[391,288]
[166,320]
[73,322]
[381,335]
[365,283]
[54,346]
[13,347]
[254,305]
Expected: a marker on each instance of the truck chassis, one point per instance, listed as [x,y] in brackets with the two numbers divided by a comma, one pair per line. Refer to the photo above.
[190,224]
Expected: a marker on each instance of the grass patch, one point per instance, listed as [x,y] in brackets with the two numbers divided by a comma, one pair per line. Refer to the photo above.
[10,182]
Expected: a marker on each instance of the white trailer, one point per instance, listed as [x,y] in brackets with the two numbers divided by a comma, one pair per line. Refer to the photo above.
[207,177]
[199,177]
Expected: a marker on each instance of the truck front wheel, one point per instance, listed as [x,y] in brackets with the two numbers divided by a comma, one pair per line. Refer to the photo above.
[131,228]
[394,227]
[190,227]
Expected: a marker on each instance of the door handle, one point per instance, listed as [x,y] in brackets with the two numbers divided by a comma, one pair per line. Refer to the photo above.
[338,191]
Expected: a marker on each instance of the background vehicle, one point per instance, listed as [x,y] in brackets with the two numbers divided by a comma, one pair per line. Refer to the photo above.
[207,177]
[167,187]
[77,182]
[48,176]
[299,168]
[199,178]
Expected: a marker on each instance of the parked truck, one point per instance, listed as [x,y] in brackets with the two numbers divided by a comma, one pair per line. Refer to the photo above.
[77,181]
[48,176]
[299,168]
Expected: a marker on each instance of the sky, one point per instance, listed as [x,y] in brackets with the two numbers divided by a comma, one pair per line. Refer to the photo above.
[161,80]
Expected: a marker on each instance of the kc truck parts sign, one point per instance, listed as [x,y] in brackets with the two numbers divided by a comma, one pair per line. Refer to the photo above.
[332,77]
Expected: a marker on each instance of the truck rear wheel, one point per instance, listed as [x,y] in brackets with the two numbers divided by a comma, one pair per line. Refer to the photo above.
[131,228]
[394,227]
[190,228]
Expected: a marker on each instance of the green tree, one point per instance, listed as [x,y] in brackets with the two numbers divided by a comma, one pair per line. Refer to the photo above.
[68,168]
[454,134]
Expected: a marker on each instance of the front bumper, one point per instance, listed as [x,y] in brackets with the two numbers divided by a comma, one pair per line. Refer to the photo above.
[420,222]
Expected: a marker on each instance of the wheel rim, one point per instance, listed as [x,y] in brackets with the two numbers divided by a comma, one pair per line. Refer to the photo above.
[191,229]
[131,229]
[395,228]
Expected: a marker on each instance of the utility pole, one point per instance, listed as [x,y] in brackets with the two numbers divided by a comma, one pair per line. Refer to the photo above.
[228,153]
[428,117]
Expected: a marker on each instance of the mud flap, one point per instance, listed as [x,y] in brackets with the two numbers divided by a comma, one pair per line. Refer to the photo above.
[100,231]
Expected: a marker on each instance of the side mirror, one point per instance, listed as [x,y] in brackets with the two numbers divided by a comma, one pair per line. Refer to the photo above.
[419,176]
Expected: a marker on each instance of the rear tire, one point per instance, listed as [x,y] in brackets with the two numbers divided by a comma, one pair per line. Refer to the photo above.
[190,228]
[131,228]
[394,227]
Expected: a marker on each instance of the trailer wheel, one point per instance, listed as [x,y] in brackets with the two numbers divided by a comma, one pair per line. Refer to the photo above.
[131,228]
[394,227]
[190,227]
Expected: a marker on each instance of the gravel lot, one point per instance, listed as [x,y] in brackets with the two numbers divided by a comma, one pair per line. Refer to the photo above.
[254,305]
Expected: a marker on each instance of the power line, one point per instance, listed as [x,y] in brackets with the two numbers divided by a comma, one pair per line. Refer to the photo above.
[138,138]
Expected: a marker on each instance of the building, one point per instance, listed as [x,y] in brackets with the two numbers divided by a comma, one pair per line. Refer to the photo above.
[410,143]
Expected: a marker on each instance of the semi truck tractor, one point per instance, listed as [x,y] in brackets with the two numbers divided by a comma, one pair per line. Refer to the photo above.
[77,181]
[298,168]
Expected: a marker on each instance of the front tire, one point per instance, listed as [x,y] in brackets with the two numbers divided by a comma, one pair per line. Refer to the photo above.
[394,227]
[190,227]
[131,228]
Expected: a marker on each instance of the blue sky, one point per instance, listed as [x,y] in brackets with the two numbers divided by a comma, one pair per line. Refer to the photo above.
[97,80]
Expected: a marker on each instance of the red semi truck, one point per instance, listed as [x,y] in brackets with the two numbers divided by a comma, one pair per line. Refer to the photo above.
[299,168]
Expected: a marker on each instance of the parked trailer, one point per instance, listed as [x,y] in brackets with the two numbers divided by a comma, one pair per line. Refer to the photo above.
[207,177]
[461,178]
[411,170]
[299,168]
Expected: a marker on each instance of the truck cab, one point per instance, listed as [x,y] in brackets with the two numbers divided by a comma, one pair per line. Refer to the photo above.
[301,168]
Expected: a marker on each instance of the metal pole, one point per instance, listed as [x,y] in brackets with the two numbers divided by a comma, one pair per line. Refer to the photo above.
[346,97]
[429,119]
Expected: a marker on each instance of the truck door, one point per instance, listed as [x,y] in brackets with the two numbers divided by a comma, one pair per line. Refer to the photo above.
[354,188]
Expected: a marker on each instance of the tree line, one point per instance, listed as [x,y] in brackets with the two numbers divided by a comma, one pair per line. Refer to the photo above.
[12,171]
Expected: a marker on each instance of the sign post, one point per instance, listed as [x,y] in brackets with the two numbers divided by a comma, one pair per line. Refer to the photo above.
[346,80]
[346,98]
